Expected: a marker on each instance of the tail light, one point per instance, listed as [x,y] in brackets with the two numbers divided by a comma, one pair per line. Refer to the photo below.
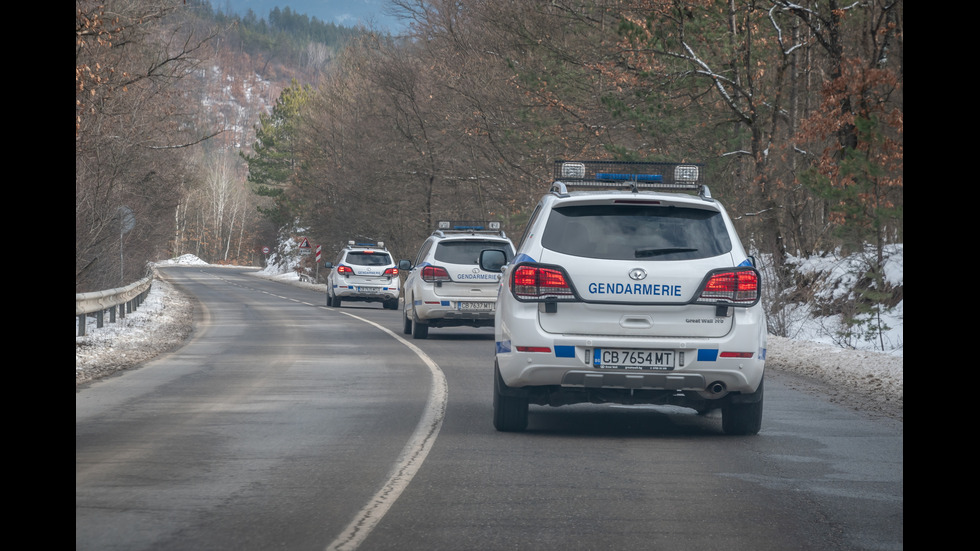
[345,270]
[435,274]
[391,272]
[736,287]
[530,282]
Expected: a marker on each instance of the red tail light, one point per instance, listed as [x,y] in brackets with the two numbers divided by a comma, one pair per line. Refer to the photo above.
[736,354]
[535,283]
[346,270]
[392,272]
[734,286]
[433,274]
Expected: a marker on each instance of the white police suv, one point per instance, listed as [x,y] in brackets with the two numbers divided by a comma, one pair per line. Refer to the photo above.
[365,272]
[446,286]
[624,289]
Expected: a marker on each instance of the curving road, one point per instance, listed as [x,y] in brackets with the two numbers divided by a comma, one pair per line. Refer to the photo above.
[286,424]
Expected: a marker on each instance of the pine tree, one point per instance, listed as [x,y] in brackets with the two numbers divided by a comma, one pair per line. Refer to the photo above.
[273,165]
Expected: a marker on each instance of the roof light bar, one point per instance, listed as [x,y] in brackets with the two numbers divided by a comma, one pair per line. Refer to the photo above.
[379,245]
[456,225]
[651,175]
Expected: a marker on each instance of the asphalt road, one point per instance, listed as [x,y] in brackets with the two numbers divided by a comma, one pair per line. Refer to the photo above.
[286,424]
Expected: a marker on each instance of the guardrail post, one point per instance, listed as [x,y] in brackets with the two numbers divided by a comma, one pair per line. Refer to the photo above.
[127,299]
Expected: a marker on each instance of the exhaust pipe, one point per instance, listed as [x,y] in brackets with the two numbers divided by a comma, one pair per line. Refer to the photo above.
[717,388]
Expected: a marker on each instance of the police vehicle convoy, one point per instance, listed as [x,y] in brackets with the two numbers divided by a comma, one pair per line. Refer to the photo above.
[446,286]
[365,272]
[629,286]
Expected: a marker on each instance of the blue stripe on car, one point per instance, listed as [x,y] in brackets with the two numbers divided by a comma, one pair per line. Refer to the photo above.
[564,351]
[707,354]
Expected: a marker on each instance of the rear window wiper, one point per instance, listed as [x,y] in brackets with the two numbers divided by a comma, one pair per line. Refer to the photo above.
[644,253]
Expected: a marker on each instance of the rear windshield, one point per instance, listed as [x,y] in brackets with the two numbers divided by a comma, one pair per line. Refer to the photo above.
[364,258]
[468,251]
[636,232]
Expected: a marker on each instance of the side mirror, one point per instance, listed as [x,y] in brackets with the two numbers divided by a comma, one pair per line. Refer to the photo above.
[493,260]
[404,265]
[328,265]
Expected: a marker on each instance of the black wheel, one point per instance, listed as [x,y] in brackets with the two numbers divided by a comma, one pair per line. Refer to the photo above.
[509,412]
[407,322]
[333,301]
[419,330]
[391,304]
[743,419]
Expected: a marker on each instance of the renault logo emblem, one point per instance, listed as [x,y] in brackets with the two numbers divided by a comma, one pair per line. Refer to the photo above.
[637,274]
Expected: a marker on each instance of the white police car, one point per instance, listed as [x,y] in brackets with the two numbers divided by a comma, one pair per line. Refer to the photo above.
[446,286]
[365,272]
[625,291]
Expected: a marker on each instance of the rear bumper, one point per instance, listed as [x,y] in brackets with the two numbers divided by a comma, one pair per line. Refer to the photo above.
[447,312]
[377,293]
[528,357]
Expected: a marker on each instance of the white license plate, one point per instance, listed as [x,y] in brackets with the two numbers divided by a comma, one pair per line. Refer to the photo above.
[481,306]
[618,358]
[368,290]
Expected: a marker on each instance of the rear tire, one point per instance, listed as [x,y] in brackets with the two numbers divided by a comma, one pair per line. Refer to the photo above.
[406,322]
[509,412]
[391,304]
[419,330]
[743,419]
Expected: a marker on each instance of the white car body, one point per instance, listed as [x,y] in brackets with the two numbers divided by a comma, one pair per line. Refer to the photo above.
[446,286]
[630,320]
[363,273]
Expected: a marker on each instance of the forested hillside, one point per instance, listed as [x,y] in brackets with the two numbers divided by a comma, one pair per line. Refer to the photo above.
[796,108]
[168,97]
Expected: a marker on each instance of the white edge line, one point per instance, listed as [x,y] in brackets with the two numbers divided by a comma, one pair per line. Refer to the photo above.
[411,458]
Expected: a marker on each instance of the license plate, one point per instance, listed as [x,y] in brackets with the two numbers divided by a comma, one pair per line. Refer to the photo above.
[617,358]
[482,306]
[368,290]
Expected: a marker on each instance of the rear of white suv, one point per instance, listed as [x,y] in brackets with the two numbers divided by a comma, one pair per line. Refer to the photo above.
[446,286]
[627,293]
[365,272]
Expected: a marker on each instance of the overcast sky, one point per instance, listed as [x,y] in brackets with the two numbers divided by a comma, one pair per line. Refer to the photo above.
[371,13]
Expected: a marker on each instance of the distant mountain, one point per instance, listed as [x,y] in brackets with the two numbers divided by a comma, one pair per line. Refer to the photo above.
[255,60]
[373,14]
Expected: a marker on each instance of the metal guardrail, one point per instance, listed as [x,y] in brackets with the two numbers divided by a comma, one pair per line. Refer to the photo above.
[123,300]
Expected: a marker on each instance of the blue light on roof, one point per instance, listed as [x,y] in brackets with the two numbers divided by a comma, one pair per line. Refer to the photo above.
[629,177]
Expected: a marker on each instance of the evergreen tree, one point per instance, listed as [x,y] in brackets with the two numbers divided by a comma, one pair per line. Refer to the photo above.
[273,165]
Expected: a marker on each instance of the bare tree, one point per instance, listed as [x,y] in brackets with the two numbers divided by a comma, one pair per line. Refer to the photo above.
[130,59]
